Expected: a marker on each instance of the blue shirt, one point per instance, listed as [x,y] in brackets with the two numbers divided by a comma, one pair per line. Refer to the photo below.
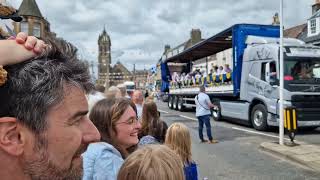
[190,171]
[101,161]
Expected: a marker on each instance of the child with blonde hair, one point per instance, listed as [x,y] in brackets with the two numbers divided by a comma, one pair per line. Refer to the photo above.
[152,162]
[178,139]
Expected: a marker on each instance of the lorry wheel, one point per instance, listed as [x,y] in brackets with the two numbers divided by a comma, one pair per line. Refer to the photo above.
[259,117]
[216,112]
[180,104]
[170,102]
[175,102]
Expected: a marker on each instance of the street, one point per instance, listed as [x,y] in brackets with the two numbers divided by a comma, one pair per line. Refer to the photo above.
[237,155]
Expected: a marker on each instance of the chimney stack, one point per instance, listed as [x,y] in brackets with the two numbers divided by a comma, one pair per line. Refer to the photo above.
[166,48]
[195,36]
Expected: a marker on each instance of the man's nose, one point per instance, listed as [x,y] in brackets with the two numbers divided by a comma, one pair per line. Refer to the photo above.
[91,133]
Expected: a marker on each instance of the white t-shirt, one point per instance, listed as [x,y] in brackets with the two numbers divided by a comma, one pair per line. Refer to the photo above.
[139,111]
[93,98]
[202,107]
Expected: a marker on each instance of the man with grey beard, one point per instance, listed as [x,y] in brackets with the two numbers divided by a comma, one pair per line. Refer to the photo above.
[44,127]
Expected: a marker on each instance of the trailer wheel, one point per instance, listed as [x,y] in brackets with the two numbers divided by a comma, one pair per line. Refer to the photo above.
[216,112]
[170,102]
[180,104]
[175,102]
[259,117]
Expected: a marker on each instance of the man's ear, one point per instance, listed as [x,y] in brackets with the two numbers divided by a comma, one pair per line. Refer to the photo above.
[11,139]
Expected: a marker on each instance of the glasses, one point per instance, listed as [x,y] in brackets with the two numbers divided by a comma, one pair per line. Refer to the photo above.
[130,121]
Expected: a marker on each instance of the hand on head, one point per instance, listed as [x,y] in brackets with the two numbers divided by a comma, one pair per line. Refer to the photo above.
[30,42]
[22,48]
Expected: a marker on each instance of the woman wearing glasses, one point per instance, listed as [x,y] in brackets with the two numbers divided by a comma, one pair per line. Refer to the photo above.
[116,120]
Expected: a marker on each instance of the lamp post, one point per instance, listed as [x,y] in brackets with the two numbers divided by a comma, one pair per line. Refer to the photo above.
[281,129]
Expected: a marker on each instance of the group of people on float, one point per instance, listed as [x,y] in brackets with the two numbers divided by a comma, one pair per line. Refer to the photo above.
[217,76]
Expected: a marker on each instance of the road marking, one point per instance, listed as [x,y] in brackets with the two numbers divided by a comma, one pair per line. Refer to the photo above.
[163,111]
[239,129]
[260,133]
[188,117]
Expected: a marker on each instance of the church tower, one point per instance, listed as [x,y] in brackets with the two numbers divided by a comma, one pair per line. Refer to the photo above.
[104,59]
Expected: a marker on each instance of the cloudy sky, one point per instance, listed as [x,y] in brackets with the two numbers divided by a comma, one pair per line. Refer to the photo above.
[139,29]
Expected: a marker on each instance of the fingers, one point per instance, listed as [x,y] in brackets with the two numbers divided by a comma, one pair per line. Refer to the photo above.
[39,47]
[30,42]
[21,38]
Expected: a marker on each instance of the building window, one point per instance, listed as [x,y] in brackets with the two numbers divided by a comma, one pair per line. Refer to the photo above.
[36,29]
[313,26]
[24,27]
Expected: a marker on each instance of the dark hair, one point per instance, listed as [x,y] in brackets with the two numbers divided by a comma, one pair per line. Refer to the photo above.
[100,88]
[150,117]
[159,131]
[35,86]
[105,114]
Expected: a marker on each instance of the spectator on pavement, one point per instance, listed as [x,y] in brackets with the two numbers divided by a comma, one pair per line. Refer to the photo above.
[95,96]
[153,162]
[178,139]
[203,113]
[151,125]
[137,99]
[45,129]
[123,91]
[156,135]
[113,92]
[117,123]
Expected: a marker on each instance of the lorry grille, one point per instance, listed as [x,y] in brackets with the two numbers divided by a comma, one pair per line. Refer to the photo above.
[307,106]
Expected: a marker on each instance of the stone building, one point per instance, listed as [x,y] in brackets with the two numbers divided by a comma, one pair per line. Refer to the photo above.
[104,59]
[140,77]
[109,75]
[119,74]
[33,23]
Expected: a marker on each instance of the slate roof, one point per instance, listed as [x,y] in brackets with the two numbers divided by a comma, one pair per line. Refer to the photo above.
[119,67]
[29,8]
[315,15]
[312,39]
[104,37]
[296,31]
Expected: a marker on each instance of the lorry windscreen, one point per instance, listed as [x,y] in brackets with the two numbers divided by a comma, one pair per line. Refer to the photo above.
[302,68]
[302,74]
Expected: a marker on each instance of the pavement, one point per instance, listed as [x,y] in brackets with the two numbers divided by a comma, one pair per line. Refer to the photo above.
[303,153]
